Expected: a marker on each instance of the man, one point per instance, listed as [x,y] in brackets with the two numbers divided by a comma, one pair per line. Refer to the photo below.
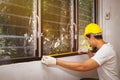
[105,59]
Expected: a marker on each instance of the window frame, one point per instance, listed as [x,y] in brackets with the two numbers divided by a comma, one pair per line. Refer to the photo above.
[73,45]
[28,58]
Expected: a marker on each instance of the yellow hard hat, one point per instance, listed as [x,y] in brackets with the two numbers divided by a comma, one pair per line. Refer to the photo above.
[92,28]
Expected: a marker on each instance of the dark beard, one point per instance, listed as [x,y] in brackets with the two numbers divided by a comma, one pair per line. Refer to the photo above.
[94,50]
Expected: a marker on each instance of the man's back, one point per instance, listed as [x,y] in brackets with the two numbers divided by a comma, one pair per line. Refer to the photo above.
[107,59]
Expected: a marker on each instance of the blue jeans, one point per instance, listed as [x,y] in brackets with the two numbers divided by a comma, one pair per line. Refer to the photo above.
[89,79]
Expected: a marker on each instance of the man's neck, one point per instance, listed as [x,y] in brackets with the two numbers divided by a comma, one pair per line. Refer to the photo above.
[100,43]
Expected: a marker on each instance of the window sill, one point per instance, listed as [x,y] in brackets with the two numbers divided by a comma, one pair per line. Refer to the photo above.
[11,61]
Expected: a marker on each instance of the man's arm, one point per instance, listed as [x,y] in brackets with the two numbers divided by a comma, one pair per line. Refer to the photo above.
[78,66]
[90,53]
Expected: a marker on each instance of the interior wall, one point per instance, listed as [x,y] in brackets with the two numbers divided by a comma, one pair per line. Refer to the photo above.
[37,71]
[110,22]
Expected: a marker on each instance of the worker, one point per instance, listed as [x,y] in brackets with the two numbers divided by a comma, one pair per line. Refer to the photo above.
[105,59]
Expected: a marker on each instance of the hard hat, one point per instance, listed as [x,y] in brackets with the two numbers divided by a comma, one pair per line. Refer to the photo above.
[92,28]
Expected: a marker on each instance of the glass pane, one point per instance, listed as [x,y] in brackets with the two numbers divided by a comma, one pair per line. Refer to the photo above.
[16,29]
[85,16]
[56,26]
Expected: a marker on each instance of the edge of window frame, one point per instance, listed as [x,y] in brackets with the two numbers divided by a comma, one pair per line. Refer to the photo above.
[18,60]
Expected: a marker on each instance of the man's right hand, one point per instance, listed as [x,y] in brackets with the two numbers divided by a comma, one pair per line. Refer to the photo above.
[83,51]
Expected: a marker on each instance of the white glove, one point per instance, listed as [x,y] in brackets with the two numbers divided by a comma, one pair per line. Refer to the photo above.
[82,50]
[49,61]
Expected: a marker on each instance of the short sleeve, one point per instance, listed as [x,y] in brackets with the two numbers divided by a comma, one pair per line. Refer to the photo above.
[101,56]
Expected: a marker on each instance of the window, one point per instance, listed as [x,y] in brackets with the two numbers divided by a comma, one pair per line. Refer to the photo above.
[86,15]
[32,28]
[59,25]
[17,29]
[56,26]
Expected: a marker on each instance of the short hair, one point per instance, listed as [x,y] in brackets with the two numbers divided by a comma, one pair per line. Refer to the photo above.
[97,36]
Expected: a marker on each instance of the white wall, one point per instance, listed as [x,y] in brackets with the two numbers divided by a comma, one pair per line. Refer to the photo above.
[37,71]
[111,27]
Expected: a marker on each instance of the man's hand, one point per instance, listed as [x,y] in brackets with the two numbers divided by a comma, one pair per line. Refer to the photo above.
[49,61]
[83,51]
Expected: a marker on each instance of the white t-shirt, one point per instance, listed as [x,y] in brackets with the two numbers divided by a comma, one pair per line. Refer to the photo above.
[107,59]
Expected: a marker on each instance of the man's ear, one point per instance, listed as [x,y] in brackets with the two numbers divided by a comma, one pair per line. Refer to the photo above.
[92,37]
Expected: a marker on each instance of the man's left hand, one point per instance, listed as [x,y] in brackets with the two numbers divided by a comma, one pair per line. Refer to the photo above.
[49,61]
